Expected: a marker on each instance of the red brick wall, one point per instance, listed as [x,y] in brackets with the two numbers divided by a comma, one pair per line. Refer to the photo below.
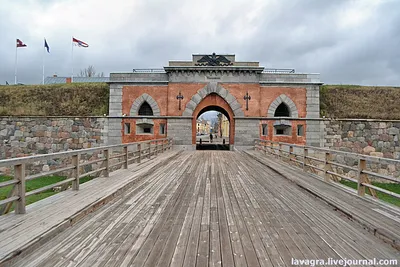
[130,93]
[239,91]
[293,138]
[187,90]
[133,137]
[261,99]
[270,93]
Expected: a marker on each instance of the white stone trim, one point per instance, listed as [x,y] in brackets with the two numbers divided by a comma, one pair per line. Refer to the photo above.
[213,87]
[283,99]
[140,100]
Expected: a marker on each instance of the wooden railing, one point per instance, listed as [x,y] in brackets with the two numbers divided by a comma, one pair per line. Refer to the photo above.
[320,161]
[124,156]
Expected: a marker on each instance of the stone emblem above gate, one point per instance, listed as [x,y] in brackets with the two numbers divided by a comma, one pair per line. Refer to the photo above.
[213,60]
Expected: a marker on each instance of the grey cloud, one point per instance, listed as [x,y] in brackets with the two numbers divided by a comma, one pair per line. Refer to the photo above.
[300,34]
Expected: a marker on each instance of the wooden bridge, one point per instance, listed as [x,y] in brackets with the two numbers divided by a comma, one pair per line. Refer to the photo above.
[205,208]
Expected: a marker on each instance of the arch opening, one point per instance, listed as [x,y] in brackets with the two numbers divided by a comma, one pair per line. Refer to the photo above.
[213,124]
[288,107]
[282,127]
[282,110]
[213,108]
[145,109]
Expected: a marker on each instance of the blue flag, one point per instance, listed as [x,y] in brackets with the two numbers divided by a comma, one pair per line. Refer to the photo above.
[46,46]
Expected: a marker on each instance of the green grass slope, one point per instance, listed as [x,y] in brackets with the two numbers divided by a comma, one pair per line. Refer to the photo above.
[74,99]
[91,99]
[360,102]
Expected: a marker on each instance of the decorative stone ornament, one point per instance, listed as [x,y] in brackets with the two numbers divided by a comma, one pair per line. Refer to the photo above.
[179,97]
[213,60]
[247,98]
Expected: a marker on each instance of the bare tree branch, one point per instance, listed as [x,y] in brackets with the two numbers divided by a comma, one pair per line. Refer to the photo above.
[90,72]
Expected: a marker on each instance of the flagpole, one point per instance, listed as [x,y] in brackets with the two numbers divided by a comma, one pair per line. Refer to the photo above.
[16,58]
[44,39]
[72,59]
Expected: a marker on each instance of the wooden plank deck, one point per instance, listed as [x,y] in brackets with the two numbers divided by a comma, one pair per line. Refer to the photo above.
[210,208]
[45,218]
[381,218]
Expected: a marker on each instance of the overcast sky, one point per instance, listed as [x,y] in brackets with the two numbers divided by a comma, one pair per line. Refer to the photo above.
[348,42]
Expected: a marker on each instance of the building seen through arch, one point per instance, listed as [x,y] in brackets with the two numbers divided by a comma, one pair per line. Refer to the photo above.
[212,130]
[271,104]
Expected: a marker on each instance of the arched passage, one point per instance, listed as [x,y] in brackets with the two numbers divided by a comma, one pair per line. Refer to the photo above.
[214,102]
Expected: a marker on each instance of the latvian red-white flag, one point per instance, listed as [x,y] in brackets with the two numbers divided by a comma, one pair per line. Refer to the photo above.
[79,43]
[20,43]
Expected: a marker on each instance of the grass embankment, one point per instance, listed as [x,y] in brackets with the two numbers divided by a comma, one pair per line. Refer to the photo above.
[360,102]
[35,184]
[73,99]
[382,196]
[91,99]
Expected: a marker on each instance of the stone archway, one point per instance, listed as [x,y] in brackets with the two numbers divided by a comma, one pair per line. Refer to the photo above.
[294,113]
[214,88]
[140,100]
[214,101]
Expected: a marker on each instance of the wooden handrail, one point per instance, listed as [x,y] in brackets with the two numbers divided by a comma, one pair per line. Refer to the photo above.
[18,192]
[38,175]
[28,159]
[7,183]
[286,151]
[348,154]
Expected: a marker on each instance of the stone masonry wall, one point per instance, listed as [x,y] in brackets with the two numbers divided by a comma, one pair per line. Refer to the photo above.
[374,138]
[380,139]
[181,131]
[246,131]
[21,136]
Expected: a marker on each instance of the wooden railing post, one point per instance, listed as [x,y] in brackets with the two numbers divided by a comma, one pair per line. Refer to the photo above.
[361,177]
[139,148]
[272,148]
[126,157]
[162,146]
[156,148]
[305,155]
[106,163]
[291,155]
[280,151]
[75,162]
[19,171]
[255,144]
[327,166]
[149,155]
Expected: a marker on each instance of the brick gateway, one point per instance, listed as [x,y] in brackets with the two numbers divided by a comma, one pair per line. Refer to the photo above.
[270,104]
